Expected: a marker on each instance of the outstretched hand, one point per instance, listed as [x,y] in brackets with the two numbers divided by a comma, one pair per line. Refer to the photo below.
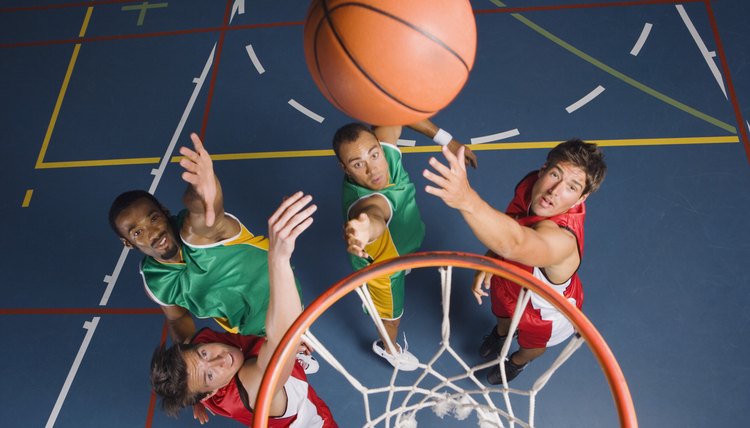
[357,235]
[199,172]
[293,217]
[451,182]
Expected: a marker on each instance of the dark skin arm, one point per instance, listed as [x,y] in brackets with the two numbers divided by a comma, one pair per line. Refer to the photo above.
[203,198]
[391,134]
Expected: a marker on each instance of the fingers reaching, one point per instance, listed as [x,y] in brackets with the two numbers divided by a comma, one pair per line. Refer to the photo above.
[293,217]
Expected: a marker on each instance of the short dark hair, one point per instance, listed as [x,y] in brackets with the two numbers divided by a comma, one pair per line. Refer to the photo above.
[126,199]
[587,156]
[169,379]
[348,133]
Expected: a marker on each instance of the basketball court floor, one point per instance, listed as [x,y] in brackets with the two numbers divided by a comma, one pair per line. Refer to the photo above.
[96,96]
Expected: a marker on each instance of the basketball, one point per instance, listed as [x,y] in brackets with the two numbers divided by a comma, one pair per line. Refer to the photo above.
[390,62]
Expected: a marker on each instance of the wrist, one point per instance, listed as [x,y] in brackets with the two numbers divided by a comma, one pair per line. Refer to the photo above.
[442,137]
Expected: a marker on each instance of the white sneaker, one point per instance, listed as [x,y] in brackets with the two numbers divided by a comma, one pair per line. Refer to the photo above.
[308,362]
[404,360]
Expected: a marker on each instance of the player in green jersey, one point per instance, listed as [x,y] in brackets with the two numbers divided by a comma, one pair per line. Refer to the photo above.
[382,217]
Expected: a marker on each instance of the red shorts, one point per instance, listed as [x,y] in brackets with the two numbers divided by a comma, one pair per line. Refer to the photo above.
[540,325]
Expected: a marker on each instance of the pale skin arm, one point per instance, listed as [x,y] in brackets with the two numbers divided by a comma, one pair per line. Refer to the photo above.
[292,218]
[545,245]
[368,220]
[203,198]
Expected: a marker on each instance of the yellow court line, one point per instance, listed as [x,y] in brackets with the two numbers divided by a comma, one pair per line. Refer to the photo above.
[27,198]
[63,90]
[421,149]
[93,163]
[86,20]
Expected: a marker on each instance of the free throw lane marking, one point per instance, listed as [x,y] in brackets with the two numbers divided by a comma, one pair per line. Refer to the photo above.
[27,198]
[254,59]
[307,112]
[90,326]
[629,80]
[641,40]
[708,56]
[495,137]
[585,100]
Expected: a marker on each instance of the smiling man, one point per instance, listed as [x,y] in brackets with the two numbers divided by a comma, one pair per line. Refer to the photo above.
[541,231]
[203,261]
[382,216]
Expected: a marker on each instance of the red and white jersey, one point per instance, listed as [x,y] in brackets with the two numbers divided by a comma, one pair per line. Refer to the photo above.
[542,325]
[304,407]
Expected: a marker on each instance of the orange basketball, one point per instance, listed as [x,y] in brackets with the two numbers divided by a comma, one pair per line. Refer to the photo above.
[390,62]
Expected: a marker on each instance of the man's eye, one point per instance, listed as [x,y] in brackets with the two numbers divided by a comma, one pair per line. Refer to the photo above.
[137,232]
[210,376]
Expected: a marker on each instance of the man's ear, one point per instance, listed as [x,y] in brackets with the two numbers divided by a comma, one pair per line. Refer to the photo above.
[343,168]
[541,170]
[581,200]
[126,243]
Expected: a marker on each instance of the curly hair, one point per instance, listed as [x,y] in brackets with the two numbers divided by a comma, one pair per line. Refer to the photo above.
[587,156]
[169,379]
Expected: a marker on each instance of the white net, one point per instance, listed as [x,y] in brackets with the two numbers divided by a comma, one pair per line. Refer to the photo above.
[460,395]
[445,382]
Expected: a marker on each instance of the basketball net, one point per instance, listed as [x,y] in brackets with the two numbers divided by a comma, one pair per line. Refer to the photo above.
[461,394]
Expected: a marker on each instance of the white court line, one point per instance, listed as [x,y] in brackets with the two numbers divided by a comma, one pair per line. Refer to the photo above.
[254,59]
[111,280]
[237,7]
[586,98]
[406,143]
[641,39]
[495,137]
[177,132]
[708,56]
[91,327]
[307,112]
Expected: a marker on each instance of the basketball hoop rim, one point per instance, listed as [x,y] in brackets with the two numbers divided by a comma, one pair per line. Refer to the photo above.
[289,343]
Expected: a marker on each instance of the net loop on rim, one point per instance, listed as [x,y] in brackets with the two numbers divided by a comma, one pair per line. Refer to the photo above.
[448,397]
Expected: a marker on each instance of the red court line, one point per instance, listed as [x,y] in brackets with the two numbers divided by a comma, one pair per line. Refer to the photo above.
[80,311]
[61,6]
[215,70]
[149,35]
[741,126]
[152,399]
[581,6]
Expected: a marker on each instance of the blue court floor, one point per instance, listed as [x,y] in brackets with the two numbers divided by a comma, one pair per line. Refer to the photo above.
[96,96]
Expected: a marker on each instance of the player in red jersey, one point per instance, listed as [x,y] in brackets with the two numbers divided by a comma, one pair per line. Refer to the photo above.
[541,231]
[223,371]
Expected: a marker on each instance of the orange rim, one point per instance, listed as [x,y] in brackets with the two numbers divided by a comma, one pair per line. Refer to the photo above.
[288,346]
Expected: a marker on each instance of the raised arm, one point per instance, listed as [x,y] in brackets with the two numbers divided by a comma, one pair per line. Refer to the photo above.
[292,218]
[544,245]
[203,198]
[367,222]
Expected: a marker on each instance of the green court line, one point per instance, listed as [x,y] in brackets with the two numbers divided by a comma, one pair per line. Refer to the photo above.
[607,69]
[421,149]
